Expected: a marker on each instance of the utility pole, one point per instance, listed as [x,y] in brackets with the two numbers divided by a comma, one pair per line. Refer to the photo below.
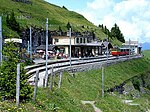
[70,44]
[46,72]
[107,49]
[30,43]
[1,40]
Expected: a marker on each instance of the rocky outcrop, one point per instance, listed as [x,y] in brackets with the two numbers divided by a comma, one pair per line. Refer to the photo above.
[38,37]
[134,86]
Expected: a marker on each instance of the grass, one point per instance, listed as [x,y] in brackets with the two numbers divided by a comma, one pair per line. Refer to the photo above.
[87,86]
[146,54]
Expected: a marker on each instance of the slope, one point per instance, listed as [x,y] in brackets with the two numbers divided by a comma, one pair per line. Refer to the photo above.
[35,14]
[87,86]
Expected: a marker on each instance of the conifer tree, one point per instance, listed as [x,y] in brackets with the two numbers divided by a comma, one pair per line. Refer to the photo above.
[116,32]
[68,25]
[12,23]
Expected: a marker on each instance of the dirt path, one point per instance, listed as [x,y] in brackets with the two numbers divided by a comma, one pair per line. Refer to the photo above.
[92,103]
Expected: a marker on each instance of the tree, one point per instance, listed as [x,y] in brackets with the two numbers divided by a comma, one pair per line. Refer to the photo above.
[64,8]
[8,72]
[12,23]
[68,26]
[116,32]
[105,30]
[59,29]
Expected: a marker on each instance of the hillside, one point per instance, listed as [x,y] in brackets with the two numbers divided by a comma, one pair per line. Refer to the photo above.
[86,86]
[36,12]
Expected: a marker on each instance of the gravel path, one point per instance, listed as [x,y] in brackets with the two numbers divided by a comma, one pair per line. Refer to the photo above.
[92,103]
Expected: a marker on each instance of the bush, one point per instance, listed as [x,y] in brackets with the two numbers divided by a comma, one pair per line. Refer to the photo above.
[8,72]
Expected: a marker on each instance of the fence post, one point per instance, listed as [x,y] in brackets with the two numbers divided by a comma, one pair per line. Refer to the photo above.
[35,86]
[51,79]
[43,82]
[18,85]
[46,79]
[60,79]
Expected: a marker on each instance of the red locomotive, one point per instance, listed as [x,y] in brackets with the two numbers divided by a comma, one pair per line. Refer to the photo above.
[120,51]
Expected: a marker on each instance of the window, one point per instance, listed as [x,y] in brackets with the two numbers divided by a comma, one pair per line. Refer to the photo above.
[83,40]
[56,40]
[80,40]
[77,40]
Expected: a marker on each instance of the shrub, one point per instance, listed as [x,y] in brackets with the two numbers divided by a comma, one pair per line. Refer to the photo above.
[8,72]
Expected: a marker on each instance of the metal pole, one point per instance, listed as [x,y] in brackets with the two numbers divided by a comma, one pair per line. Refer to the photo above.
[35,86]
[28,48]
[51,79]
[102,81]
[107,50]
[129,47]
[18,85]
[30,43]
[70,44]
[60,79]
[1,41]
[46,72]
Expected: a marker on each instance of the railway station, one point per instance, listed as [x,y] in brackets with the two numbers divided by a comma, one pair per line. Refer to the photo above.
[82,45]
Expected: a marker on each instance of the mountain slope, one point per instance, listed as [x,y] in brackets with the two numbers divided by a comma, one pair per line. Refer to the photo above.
[35,14]
[87,86]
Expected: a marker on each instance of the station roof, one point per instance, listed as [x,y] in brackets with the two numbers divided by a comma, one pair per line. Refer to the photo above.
[43,47]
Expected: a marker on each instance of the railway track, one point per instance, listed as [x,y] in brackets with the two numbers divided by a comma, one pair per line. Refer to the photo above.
[77,65]
[65,63]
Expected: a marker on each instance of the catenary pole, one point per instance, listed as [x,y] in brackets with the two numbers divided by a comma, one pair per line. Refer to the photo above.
[1,45]
[70,44]
[107,50]
[28,48]
[30,43]
[46,72]
[129,48]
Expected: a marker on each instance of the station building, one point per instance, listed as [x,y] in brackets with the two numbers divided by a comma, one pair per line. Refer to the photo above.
[135,46]
[81,45]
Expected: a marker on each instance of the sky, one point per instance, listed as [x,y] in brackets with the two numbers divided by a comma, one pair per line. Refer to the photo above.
[132,16]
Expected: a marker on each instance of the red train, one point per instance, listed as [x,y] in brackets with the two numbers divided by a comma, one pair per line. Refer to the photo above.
[120,51]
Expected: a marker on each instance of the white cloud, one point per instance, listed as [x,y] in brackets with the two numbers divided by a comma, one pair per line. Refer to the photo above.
[132,16]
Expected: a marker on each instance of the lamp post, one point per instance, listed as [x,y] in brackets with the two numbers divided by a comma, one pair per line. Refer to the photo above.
[1,40]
